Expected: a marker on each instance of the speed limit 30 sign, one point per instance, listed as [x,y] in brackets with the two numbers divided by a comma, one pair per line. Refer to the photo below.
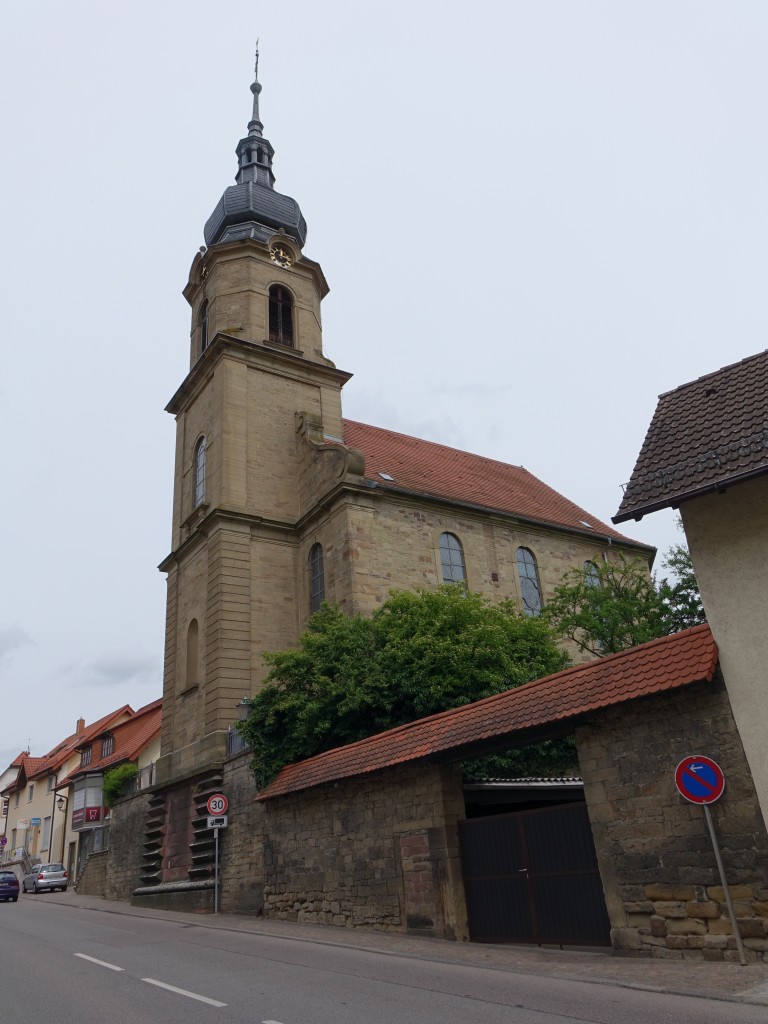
[217,804]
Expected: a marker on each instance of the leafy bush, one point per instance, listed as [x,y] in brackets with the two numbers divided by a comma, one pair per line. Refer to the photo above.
[116,782]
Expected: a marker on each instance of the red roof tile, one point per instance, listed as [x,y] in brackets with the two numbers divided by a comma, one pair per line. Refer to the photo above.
[655,667]
[436,471]
[704,435]
[131,737]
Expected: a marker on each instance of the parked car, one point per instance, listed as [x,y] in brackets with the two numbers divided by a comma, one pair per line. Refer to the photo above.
[45,878]
[9,886]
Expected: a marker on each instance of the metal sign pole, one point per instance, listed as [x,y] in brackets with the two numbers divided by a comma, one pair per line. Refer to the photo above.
[728,900]
[216,875]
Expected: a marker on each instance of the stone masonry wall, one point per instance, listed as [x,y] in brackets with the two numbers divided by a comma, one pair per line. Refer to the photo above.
[241,851]
[378,852]
[658,868]
[126,836]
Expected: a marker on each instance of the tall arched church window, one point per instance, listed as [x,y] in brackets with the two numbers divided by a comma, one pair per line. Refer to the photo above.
[592,575]
[280,315]
[204,327]
[452,559]
[200,472]
[316,578]
[530,587]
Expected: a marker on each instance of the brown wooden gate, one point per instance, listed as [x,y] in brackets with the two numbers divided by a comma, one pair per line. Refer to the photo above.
[532,877]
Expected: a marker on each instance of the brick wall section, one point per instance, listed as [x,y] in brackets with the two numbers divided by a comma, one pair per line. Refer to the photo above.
[656,860]
[126,836]
[378,852]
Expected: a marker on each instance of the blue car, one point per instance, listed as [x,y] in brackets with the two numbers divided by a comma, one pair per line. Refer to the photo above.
[9,886]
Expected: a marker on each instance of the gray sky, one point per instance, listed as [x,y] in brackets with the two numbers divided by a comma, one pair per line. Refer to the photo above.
[534,218]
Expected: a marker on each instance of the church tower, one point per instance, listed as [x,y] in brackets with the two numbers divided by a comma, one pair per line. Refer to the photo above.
[257,379]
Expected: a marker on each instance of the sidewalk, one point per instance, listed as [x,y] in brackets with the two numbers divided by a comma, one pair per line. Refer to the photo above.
[727,981]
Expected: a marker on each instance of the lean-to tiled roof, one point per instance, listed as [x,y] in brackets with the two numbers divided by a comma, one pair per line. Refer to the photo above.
[654,667]
[704,436]
[433,470]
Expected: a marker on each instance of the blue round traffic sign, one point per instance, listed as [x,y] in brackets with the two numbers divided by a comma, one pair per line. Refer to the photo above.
[700,779]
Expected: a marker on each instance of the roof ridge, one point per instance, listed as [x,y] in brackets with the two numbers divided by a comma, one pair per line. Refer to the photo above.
[714,373]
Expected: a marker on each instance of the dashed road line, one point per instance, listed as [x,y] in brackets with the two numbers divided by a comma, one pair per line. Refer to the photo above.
[183,992]
[101,963]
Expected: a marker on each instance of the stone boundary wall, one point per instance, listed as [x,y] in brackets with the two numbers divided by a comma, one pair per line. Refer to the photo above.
[240,844]
[658,868]
[92,881]
[379,851]
[126,839]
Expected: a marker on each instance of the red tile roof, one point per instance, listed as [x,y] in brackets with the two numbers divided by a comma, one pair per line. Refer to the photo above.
[436,471]
[131,737]
[704,435]
[655,667]
[55,758]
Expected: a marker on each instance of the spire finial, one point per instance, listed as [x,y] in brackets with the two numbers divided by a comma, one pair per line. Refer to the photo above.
[255,127]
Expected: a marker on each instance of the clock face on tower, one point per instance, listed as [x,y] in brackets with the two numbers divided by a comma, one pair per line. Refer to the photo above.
[281,255]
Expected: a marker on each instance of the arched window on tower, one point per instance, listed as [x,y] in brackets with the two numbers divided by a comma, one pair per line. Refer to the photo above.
[280,315]
[200,472]
[530,587]
[452,559]
[316,578]
[193,648]
[203,326]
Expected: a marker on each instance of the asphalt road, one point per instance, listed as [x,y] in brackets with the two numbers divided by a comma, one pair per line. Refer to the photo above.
[67,965]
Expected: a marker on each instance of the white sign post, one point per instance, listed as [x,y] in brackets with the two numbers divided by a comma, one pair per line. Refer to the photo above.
[217,805]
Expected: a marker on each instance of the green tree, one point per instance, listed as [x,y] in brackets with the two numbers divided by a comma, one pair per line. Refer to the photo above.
[418,654]
[682,597]
[610,606]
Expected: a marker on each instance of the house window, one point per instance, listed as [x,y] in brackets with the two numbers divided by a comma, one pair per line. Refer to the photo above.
[6,803]
[85,756]
[30,792]
[530,587]
[280,315]
[107,746]
[16,799]
[592,575]
[203,326]
[51,783]
[200,472]
[452,559]
[316,578]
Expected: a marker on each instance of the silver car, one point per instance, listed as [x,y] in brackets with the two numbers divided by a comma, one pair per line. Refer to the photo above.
[45,878]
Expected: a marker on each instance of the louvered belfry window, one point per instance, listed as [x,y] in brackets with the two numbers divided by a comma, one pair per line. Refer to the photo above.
[280,315]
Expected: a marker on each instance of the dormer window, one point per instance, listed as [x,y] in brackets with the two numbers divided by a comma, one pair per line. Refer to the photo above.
[107,746]
[280,315]
[85,757]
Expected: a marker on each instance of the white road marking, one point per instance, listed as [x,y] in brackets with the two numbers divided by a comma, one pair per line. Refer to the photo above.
[101,963]
[270,1022]
[183,992]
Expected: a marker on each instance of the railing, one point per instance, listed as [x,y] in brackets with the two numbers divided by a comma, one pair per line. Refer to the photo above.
[235,742]
[144,777]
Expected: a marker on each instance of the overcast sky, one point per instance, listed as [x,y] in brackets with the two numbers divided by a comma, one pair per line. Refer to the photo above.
[534,218]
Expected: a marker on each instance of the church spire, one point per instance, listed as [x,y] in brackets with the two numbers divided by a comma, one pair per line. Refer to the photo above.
[255,127]
[252,208]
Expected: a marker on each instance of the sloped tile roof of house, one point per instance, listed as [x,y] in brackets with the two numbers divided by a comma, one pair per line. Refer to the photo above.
[63,750]
[433,470]
[16,762]
[704,436]
[654,667]
[131,737]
